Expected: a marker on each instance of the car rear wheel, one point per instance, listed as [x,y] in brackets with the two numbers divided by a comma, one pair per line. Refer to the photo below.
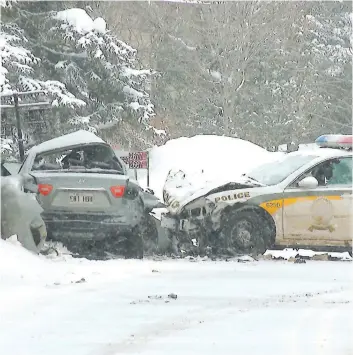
[134,245]
[244,231]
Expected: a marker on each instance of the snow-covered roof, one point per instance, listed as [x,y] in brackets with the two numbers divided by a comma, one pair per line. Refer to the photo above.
[68,140]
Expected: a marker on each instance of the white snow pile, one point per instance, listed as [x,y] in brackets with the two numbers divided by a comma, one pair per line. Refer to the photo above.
[203,160]
[19,267]
[81,21]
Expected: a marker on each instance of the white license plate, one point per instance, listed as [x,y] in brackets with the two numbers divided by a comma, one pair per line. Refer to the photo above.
[81,198]
[168,223]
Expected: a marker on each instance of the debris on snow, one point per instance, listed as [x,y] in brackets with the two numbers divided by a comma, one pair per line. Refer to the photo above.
[245,259]
[155,297]
[288,253]
[82,280]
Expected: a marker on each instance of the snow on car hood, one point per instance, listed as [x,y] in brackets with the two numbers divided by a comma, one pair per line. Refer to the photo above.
[180,189]
[203,158]
[76,138]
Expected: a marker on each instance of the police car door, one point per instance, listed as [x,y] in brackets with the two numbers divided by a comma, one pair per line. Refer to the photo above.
[320,215]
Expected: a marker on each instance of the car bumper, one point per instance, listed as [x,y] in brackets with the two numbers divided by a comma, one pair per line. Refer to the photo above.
[98,226]
[179,225]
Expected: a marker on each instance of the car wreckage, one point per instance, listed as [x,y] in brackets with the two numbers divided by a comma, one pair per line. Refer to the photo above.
[88,198]
[301,200]
[20,212]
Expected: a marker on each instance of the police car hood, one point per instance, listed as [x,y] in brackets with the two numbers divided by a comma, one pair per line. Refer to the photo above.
[180,189]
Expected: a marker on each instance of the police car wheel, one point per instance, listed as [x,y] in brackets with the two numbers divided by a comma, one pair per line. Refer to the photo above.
[243,232]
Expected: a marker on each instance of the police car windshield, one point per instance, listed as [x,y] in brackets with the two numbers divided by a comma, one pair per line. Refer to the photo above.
[275,172]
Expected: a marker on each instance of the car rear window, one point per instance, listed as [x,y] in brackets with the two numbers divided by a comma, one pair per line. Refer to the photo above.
[90,158]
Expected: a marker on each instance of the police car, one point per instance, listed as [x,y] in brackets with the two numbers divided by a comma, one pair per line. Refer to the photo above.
[301,200]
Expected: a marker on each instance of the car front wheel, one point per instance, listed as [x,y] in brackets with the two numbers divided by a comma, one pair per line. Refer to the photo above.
[245,231]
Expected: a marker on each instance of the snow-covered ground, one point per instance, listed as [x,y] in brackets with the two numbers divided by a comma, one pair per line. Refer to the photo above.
[80,307]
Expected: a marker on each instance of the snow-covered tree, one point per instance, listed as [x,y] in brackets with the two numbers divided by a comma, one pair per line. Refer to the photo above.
[92,77]
[101,69]
[19,67]
[267,71]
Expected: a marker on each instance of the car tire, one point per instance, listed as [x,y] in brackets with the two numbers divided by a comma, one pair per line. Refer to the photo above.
[244,231]
[134,245]
[149,232]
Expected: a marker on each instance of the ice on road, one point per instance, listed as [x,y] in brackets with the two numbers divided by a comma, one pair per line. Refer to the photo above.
[81,307]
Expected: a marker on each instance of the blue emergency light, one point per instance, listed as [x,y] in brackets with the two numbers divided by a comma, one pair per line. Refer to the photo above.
[334,141]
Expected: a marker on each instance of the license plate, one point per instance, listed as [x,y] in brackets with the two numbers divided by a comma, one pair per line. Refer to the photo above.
[81,198]
[168,223]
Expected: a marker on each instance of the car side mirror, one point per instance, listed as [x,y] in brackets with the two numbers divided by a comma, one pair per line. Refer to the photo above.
[308,182]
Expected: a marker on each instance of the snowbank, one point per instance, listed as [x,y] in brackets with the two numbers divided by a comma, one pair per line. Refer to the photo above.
[19,267]
[205,159]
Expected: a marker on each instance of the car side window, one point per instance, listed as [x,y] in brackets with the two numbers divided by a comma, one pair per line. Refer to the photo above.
[337,171]
[341,172]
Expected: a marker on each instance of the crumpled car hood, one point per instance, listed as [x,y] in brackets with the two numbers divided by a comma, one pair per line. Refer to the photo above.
[178,190]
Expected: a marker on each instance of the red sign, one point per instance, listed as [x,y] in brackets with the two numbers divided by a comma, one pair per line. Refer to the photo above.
[138,160]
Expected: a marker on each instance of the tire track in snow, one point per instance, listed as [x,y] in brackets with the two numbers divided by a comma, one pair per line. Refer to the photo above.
[195,318]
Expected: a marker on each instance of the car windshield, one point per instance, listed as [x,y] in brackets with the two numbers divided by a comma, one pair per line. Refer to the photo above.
[275,172]
[89,158]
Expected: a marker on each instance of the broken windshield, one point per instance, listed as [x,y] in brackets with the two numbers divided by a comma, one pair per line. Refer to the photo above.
[275,172]
[89,158]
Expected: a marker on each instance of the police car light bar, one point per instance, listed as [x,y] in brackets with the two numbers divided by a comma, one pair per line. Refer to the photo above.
[335,141]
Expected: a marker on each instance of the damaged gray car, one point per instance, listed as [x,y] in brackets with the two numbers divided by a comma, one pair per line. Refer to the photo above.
[88,198]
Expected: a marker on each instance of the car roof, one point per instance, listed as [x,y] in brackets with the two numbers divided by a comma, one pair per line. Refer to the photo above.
[322,152]
[77,138]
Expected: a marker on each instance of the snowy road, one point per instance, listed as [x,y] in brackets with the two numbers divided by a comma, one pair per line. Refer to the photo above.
[265,307]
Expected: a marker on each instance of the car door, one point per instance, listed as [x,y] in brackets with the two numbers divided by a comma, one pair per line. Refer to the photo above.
[320,215]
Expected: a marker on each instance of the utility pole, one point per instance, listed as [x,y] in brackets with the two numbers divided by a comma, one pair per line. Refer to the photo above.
[19,129]
[17,106]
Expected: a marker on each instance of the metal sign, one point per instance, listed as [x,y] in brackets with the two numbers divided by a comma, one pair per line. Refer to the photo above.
[138,160]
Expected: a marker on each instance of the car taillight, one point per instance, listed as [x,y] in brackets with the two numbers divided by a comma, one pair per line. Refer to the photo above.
[117,191]
[45,189]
